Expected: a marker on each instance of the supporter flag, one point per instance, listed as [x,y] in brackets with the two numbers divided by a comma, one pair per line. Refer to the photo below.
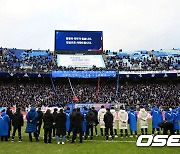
[75,99]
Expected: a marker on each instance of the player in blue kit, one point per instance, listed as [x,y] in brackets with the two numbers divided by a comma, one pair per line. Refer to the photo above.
[84,112]
[175,120]
[156,118]
[68,119]
[179,116]
[132,121]
[169,115]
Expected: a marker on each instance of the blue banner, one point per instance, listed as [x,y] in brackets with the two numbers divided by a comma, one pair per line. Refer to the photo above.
[96,74]
[83,74]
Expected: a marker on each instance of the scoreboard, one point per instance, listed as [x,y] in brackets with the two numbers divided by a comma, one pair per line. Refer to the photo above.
[78,41]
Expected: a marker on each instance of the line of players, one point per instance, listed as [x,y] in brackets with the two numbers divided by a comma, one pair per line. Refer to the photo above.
[108,119]
[122,118]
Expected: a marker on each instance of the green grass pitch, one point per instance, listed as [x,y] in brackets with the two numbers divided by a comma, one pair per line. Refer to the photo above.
[97,146]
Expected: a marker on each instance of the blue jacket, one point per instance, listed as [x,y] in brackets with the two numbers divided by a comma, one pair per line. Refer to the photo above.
[169,116]
[67,120]
[179,113]
[156,117]
[175,120]
[32,115]
[84,112]
[132,120]
[4,124]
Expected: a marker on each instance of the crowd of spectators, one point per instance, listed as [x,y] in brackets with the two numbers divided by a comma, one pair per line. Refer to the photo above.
[38,94]
[135,61]
[26,94]
[163,94]
[25,62]
[143,62]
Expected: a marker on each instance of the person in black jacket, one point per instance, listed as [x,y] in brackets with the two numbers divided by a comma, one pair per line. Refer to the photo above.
[10,114]
[54,119]
[167,125]
[90,118]
[95,120]
[108,120]
[39,121]
[77,121]
[17,123]
[48,125]
[71,123]
[60,126]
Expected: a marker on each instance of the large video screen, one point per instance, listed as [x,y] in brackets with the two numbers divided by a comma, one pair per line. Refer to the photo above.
[79,41]
[87,61]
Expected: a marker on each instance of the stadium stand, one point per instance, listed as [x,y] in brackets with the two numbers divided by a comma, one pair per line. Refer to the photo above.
[27,60]
[43,60]
[143,60]
[49,94]
[25,93]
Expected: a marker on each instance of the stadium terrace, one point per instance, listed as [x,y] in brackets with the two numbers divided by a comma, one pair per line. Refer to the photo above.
[112,94]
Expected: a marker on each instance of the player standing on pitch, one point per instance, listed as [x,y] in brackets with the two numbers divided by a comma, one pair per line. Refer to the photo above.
[156,118]
[132,121]
[101,114]
[123,121]
[143,120]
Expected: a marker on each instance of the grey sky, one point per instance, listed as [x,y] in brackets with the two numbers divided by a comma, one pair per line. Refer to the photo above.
[126,24]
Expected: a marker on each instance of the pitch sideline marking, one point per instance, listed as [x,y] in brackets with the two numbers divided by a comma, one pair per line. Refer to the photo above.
[109,141]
